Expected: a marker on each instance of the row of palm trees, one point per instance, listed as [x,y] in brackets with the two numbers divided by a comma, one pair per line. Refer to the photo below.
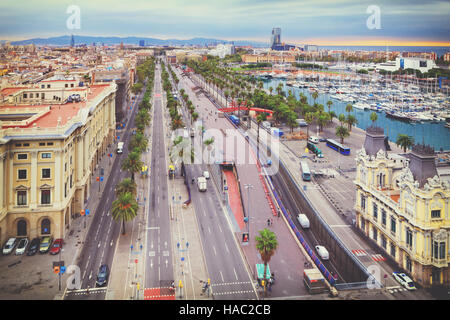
[125,206]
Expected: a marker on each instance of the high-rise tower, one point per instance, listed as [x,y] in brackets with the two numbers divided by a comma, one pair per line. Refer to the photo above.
[275,39]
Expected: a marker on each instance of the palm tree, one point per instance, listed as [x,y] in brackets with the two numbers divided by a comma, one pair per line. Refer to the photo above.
[124,208]
[138,141]
[227,94]
[349,108]
[351,120]
[404,141]
[126,185]
[208,143]
[132,163]
[309,118]
[270,90]
[266,244]
[322,119]
[342,132]
[315,95]
[329,103]
[342,119]
[373,117]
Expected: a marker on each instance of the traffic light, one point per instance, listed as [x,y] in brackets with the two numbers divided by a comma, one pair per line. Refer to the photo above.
[245,237]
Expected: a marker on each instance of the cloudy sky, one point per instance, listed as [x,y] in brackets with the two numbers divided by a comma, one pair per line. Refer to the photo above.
[322,22]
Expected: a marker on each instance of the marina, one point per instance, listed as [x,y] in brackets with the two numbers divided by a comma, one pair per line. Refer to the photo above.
[401,109]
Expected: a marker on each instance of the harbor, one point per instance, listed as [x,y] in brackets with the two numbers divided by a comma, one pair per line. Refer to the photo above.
[400,109]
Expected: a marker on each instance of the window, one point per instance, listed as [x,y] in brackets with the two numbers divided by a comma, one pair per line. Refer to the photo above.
[48,86]
[408,264]
[409,237]
[45,173]
[71,85]
[375,212]
[393,250]
[22,156]
[71,180]
[31,95]
[41,144]
[49,143]
[21,198]
[46,155]
[383,242]
[383,217]
[45,226]
[66,85]
[439,250]
[42,95]
[363,202]
[435,214]
[25,95]
[45,196]
[26,144]
[375,234]
[65,189]
[22,173]
[18,144]
[42,86]
[393,225]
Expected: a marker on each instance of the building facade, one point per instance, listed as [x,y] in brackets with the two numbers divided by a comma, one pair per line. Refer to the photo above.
[402,205]
[47,156]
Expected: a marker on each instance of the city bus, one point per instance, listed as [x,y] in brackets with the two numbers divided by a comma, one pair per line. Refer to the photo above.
[306,174]
[338,147]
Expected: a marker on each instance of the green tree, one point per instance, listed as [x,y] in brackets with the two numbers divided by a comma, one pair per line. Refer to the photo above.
[309,118]
[341,119]
[351,121]
[349,108]
[136,88]
[373,117]
[342,132]
[124,208]
[208,143]
[266,244]
[405,141]
[132,163]
[126,185]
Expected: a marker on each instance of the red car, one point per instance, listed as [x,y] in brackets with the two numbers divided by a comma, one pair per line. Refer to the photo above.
[56,246]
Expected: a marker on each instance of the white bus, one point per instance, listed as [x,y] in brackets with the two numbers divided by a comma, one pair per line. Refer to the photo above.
[306,174]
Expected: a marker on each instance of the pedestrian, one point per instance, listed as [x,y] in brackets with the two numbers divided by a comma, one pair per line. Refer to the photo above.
[268,222]
[271,221]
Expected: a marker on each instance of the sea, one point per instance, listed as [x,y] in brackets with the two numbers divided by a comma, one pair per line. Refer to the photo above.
[433,134]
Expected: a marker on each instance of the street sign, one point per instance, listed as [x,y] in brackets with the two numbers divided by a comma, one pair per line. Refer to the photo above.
[87,212]
[101,179]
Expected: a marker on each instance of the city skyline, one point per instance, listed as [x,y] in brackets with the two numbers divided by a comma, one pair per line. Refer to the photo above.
[408,23]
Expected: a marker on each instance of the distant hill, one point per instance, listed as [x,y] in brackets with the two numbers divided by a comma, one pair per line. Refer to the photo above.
[88,40]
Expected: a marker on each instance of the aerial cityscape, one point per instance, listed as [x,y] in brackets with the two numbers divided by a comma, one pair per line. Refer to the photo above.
[238,150]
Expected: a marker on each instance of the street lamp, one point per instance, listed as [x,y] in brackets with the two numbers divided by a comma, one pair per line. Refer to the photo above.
[248,187]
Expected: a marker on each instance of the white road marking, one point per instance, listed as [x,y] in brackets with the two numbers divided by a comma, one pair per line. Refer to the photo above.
[215,253]
[221,275]
[226,247]
[235,274]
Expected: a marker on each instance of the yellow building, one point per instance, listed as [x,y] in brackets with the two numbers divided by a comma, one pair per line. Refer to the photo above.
[47,155]
[402,205]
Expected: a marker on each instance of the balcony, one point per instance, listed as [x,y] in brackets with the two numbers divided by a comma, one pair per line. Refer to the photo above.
[439,263]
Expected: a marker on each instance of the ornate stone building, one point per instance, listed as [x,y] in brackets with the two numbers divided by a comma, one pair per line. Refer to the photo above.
[47,155]
[402,205]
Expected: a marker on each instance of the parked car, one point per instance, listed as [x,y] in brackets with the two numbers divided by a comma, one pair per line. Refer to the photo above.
[9,246]
[102,276]
[206,174]
[323,140]
[22,246]
[322,252]
[56,246]
[404,280]
[33,247]
[45,244]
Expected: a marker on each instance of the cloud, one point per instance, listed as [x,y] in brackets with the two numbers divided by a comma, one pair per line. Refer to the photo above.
[250,19]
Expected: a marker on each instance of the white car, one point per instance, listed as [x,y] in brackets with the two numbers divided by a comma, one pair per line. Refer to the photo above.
[206,174]
[9,246]
[404,280]
[322,252]
[22,246]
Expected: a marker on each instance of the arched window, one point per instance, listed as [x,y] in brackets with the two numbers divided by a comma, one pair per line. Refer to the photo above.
[21,228]
[45,226]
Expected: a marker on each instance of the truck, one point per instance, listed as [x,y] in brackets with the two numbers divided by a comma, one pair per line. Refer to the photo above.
[234,119]
[276,132]
[201,184]
[120,147]
[314,281]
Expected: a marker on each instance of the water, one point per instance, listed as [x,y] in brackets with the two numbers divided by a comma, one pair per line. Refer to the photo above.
[433,134]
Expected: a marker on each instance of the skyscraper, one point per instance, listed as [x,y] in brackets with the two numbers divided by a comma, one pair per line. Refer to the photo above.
[72,42]
[275,39]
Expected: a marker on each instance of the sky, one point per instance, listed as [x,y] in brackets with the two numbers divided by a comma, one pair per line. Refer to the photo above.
[322,22]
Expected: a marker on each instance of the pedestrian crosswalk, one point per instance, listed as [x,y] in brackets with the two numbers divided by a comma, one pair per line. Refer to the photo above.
[378,257]
[396,289]
[359,252]
[159,294]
